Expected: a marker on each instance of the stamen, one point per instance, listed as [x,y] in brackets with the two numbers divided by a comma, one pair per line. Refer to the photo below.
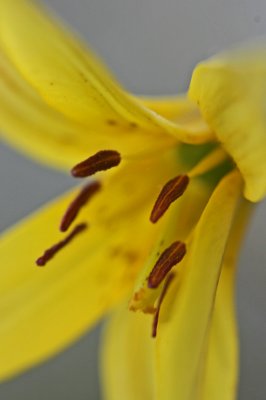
[100,161]
[167,260]
[158,308]
[82,198]
[48,254]
[171,191]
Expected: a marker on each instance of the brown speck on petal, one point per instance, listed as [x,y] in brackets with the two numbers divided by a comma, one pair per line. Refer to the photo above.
[133,125]
[101,161]
[130,256]
[167,260]
[158,308]
[171,191]
[82,198]
[50,253]
[111,122]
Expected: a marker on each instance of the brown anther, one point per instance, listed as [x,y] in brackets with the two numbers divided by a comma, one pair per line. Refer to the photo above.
[100,161]
[167,260]
[158,308]
[82,198]
[49,253]
[171,191]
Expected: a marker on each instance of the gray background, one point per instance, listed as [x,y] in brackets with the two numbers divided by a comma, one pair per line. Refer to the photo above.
[152,46]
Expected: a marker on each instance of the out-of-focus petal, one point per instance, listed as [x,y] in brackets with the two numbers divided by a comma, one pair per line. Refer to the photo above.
[31,125]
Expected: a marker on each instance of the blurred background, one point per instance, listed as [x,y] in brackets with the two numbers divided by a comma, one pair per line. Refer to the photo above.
[151,46]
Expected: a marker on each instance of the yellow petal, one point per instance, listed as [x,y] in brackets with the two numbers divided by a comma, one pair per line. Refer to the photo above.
[127,357]
[230,92]
[221,375]
[73,81]
[179,109]
[184,324]
[44,309]
[29,124]
[171,107]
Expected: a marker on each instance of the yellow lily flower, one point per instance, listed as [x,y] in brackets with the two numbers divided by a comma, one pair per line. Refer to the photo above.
[163,268]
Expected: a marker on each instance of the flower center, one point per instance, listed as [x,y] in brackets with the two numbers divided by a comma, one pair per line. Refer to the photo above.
[209,162]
